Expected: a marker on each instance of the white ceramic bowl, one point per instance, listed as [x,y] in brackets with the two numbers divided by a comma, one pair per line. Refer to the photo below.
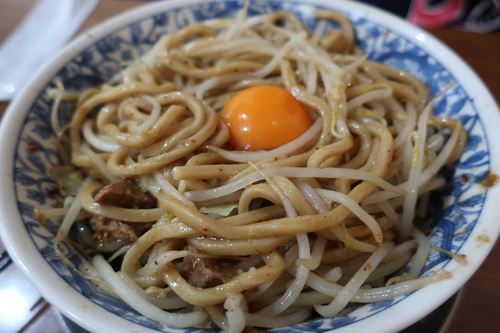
[467,223]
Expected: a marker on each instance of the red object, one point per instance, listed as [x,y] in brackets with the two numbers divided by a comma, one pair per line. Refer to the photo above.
[432,16]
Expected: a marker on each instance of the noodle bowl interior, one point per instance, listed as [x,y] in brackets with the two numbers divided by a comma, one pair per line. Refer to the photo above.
[193,230]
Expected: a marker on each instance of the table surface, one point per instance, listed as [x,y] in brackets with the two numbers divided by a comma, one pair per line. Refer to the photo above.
[478,309]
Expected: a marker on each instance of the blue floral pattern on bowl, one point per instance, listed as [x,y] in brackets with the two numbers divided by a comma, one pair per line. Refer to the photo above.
[37,152]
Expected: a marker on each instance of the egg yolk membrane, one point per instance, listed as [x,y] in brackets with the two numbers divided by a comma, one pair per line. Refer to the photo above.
[264,118]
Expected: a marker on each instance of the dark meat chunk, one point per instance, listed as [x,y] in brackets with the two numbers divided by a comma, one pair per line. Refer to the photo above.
[208,272]
[125,193]
[107,230]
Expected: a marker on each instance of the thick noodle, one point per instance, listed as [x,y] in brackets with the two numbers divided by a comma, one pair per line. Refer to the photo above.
[216,237]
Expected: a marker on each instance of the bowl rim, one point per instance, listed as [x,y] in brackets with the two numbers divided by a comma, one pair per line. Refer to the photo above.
[91,316]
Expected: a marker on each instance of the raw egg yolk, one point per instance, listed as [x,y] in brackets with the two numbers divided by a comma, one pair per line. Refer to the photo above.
[264,117]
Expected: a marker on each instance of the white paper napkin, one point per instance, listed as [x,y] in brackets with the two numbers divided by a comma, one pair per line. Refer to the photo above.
[44,30]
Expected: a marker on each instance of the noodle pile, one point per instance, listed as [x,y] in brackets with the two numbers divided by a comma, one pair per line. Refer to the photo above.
[238,239]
